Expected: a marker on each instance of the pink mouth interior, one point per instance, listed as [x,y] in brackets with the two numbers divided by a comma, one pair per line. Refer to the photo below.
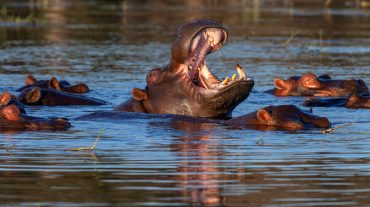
[205,42]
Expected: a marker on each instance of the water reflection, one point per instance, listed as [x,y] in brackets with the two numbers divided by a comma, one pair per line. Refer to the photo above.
[199,174]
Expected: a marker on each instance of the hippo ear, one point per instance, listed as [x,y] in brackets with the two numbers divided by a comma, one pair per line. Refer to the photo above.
[264,116]
[5,98]
[280,83]
[30,80]
[54,83]
[138,94]
[11,113]
[309,80]
[33,96]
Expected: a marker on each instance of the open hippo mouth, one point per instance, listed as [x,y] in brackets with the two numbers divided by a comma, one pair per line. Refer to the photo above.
[186,86]
[206,41]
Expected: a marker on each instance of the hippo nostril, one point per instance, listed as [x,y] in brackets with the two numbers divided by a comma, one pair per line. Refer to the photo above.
[62,123]
[293,125]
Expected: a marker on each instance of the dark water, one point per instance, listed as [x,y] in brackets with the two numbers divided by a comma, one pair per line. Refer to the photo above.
[112,44]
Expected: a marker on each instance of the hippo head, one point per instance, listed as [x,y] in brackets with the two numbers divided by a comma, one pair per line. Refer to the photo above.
[281,117]
[358,101]
[7,99]
[311,85]
[290,117]
[186,86]
[53,83]
[13,117]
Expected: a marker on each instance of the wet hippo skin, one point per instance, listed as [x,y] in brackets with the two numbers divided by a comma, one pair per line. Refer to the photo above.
[52,97]
[281,117]
[311,85]
[353,101]
[186,86]
[14,118]
[62,85]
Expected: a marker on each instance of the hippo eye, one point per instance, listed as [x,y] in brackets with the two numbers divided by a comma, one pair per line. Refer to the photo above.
[153,76]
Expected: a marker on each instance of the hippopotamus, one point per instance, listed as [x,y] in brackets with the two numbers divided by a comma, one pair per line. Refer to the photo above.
[7,99]
[353,101]
[52,97]
[281,117]
[13,117]
[186,86]
[62,85]
[311,85]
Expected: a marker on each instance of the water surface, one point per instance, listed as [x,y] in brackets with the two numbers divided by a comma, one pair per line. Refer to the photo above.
[147,162]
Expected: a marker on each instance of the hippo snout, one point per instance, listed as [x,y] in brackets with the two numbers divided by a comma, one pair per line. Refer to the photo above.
[62,124]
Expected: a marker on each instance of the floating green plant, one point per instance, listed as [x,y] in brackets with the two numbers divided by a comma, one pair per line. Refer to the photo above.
[90,148]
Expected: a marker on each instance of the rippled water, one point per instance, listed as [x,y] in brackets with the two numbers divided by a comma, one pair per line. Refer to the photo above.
[148,162]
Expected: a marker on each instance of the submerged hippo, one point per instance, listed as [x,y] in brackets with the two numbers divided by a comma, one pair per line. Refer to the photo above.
[62,85]
[52,97]
[13,117]
[7,99]
[186,86]
[311,85]
[283,117]
[352,101]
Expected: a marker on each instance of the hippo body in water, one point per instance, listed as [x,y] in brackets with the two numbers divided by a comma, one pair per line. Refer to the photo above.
[282,117]
[53,83]
[311,85]
[353,101]
[13,117]
[52,97]
[186,86]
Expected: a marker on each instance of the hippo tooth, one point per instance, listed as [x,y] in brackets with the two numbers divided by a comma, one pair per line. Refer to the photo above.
[233,77]
[190,67]
[226,81]
[205,81]
[240,71]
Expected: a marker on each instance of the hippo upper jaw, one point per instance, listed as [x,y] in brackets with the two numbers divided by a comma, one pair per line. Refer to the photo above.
[216,98]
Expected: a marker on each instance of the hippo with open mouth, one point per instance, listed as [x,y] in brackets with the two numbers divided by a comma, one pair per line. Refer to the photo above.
[186,86]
